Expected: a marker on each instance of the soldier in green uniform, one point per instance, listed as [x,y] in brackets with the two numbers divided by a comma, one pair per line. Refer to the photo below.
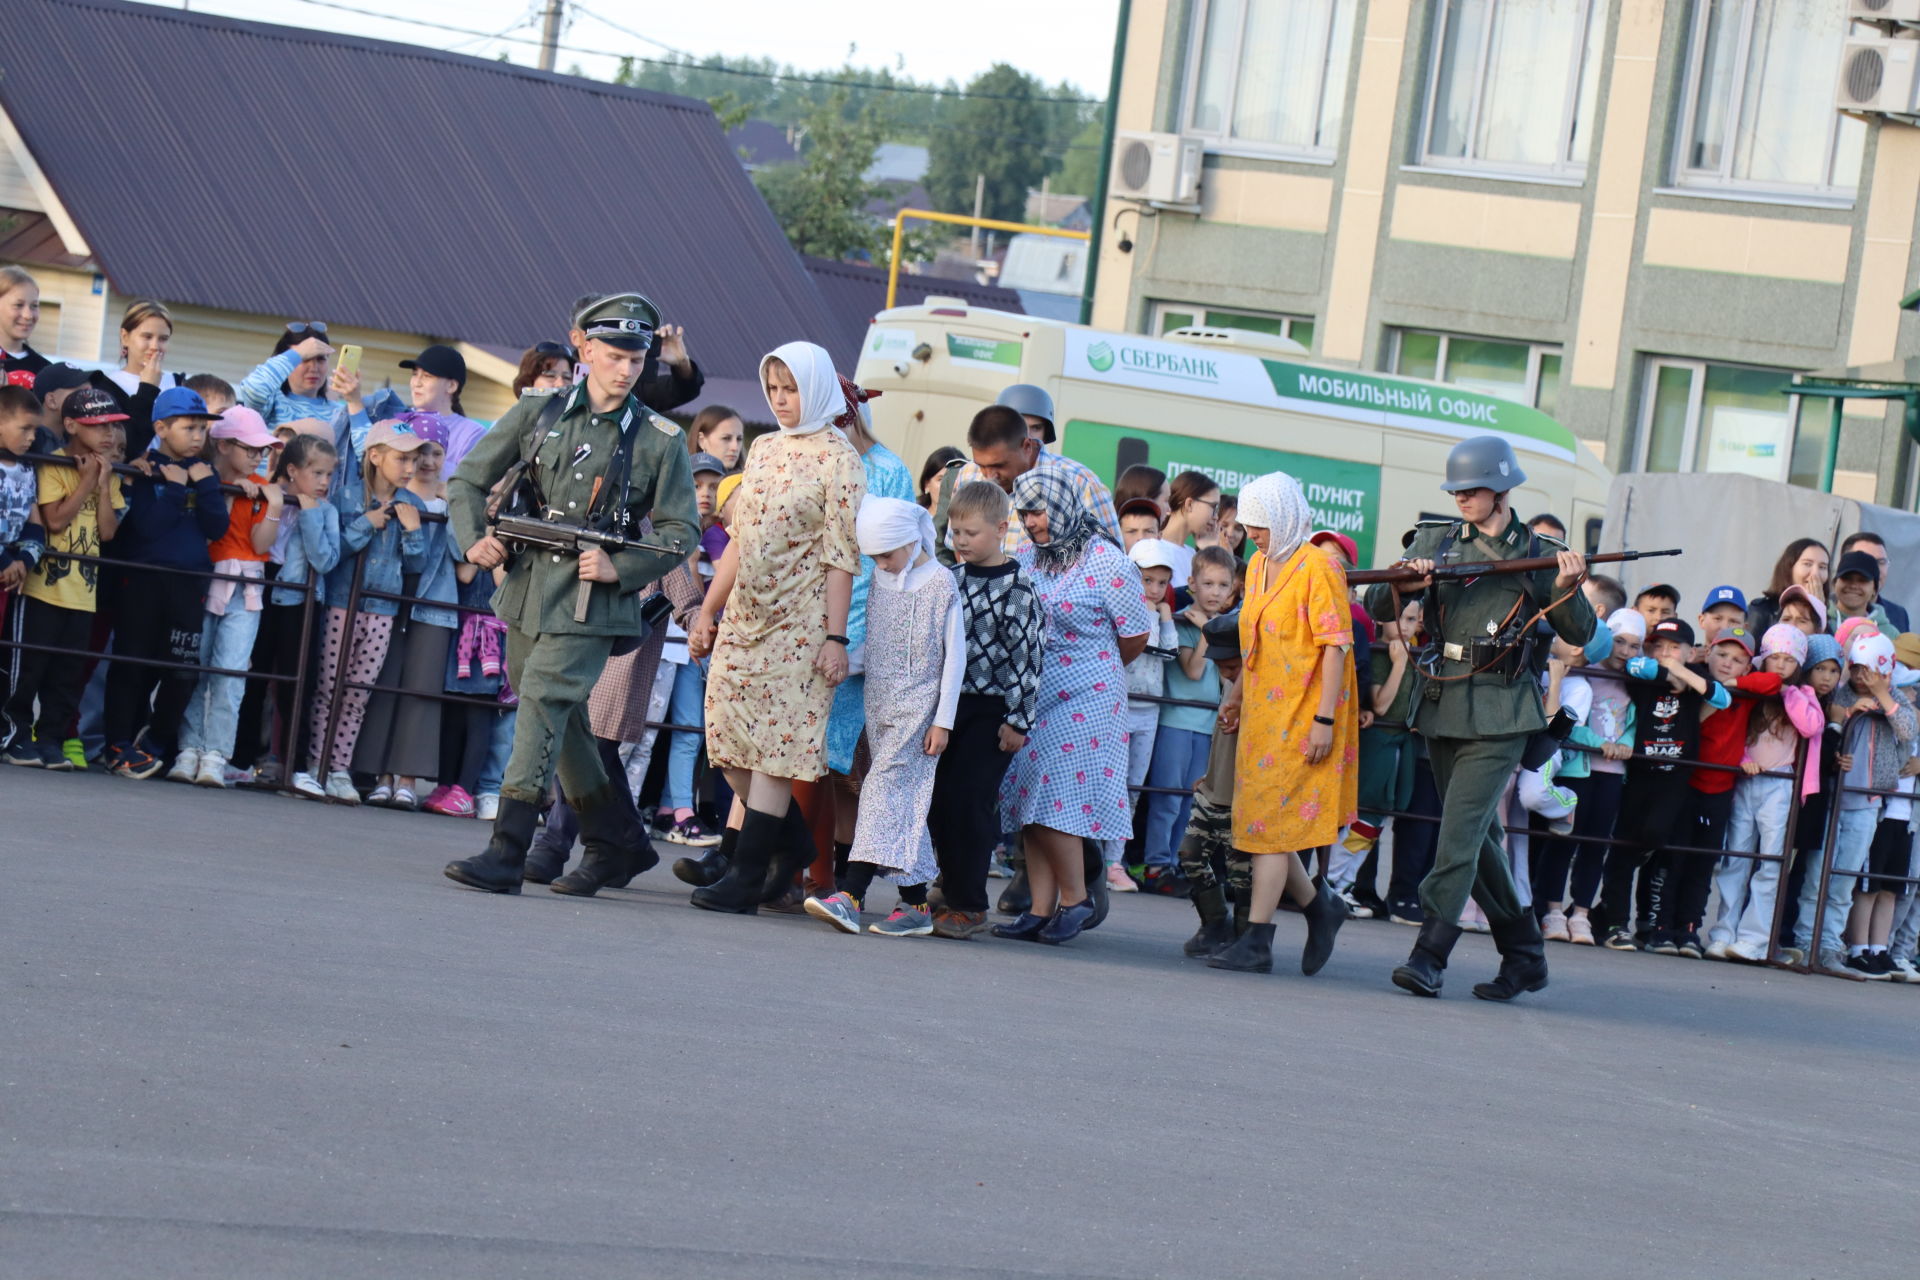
[597,458]
[1479,703]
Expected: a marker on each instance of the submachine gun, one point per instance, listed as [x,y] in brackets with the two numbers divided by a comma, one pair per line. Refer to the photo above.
[521,533]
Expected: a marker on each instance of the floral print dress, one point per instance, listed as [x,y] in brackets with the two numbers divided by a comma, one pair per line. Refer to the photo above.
[1072,774]
[1282,804]
[792,520]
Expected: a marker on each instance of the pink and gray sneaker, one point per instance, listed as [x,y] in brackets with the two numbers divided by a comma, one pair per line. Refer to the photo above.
[451,802]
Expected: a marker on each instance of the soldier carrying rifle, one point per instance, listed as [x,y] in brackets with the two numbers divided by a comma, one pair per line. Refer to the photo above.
[594,461]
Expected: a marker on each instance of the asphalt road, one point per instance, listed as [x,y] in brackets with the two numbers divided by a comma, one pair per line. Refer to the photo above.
[249,1036]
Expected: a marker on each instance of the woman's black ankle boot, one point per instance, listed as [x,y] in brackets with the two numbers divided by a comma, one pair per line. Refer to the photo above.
[739,890]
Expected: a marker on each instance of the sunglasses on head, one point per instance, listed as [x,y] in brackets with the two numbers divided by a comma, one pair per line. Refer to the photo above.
[560,349]
[303,328]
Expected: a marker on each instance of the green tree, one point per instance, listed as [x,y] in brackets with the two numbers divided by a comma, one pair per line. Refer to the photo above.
[1080,169]
[820,202]
[1002,134]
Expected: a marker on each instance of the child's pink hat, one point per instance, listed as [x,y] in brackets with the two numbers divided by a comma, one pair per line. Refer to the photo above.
[1784,637]
[1846,631]
[244,425]
[1801,594]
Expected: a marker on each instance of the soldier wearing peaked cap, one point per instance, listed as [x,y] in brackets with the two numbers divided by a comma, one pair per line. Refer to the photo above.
[591,456]
[1478,705]
[671,377]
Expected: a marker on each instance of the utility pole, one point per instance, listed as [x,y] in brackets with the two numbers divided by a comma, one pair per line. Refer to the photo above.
[550,33]
[979,203]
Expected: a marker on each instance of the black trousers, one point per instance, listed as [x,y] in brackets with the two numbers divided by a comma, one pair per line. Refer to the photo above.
[56,679]
[466,735]
[1593,820]
[965,815]
[1685,880]
[276,649]
[159,616]
[1415,839]
[1653,811]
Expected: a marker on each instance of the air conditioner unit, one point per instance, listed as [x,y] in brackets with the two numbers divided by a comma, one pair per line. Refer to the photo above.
[1883,10]
[1878,74]
[1160,167]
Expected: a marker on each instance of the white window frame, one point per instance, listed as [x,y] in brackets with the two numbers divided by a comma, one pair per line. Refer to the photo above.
[1696,402]
[1223,142]
[1563,169]
[1535,350]
[1157,315]
[1690,181]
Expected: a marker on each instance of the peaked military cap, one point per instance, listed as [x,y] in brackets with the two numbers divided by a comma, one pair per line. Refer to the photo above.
[624,320]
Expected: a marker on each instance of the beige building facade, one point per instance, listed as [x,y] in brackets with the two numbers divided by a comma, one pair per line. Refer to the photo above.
[1641,217]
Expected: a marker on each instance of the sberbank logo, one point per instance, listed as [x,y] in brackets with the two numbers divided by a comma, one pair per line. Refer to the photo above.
[1100,356]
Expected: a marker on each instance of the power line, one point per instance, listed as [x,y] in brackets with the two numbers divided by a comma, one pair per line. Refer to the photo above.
[684,61]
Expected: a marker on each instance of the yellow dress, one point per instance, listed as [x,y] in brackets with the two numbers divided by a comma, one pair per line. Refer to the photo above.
[792,519]
[1282,804]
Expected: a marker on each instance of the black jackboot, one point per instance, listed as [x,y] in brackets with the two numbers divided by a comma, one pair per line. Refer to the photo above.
[499,867]
[544,864]
[1325,914]
[616,847]
[1523,960]
[1422,972]
[709,866]
[1251,952]
[793,855]
[740,889]
[1215,930]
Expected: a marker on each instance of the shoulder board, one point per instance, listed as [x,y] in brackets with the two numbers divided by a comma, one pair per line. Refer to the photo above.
[665,426]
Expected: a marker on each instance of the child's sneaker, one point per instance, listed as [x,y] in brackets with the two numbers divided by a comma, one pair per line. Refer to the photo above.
[238,777]
[1747,952]
[1118,881]
[268,773]
[486,806]
[54,758]
[1553,927]
[1663,944]
[1718,950]
[1620,938]
[186,766]
[75,752]
[212,771]
[905,922]
[340,788]
[1689,945]
[1355,908]
[450,802]
[959,924]
[998,868]
[692,832]
[305,784]
[1904,970]
[24,752]
[131,762]
[1580,931]
[837,909]
[1795,956]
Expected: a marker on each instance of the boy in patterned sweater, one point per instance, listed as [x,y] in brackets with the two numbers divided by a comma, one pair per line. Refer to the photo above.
[1002,621]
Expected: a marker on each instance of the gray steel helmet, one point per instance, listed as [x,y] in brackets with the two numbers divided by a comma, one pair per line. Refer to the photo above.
[1484,462]
[1026,399]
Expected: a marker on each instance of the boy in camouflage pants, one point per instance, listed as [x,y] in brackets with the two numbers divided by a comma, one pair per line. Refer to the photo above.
[1209,837]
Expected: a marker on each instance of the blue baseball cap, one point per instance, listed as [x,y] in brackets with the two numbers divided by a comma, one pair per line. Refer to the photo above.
[178,402]
[1724,595]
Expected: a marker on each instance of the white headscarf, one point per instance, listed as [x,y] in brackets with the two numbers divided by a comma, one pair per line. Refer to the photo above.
[1275,503]
[820,398]
[887,524]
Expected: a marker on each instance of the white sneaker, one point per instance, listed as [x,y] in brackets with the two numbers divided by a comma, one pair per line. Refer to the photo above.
[486,806]
[305,784]
[340,788]
[1795,956]
[1354,907]
[185,766]
[1749,953]
[213,770]
[1718,950]
[1553,927]
[240,777]
[1904,970]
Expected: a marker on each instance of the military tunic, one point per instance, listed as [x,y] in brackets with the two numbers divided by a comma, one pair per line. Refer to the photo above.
[552,660]
[1476,728]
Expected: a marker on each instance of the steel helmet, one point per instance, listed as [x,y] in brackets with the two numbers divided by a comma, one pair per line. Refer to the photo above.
[1483,462]
[1030,401]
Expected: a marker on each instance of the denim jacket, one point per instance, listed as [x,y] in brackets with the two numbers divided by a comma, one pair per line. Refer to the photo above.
[311,546]
[388,553]
[437,581]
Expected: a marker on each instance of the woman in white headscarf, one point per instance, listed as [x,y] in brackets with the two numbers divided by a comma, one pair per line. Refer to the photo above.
[1296,774]
[785,582]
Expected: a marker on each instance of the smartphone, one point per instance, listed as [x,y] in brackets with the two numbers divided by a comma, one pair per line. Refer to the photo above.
[349,359]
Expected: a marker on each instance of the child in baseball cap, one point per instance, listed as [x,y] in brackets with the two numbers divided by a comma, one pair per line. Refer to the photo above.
[1724,607]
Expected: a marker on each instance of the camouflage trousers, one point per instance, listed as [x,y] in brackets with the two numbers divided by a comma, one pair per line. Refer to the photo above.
[1207,852]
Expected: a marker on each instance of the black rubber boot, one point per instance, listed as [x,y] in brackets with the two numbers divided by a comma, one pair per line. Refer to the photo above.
[1017,897]
[498,869]
[1242,909]
[1215,931]
[710,865]
[1251,952]
[1523,960]
[793,854]
[739,890]
[615,844]
[1424,969]
[1325,914]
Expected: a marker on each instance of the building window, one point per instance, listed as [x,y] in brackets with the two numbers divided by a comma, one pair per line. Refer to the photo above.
[1758,111]
[1524,371]
[1718,417]
[1168,316]
[1270,75]
[1513,85]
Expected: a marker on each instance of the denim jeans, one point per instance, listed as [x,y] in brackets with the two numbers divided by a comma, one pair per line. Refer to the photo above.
[1747,888]
[1143,725]
[1849,854]
[498,753]
[687,706]
[1179,760]
[213,713]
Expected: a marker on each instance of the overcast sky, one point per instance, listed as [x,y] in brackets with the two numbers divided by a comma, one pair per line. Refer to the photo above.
[1053,39]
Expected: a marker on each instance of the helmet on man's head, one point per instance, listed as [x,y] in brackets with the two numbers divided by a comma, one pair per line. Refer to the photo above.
[1030,401]
[1483,462]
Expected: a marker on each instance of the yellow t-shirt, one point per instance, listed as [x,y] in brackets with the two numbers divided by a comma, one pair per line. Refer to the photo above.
[66,583]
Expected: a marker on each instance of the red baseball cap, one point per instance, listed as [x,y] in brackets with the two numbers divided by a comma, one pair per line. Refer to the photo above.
[1347,545]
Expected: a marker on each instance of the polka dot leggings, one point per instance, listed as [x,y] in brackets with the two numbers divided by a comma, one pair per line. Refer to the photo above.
[371,634]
